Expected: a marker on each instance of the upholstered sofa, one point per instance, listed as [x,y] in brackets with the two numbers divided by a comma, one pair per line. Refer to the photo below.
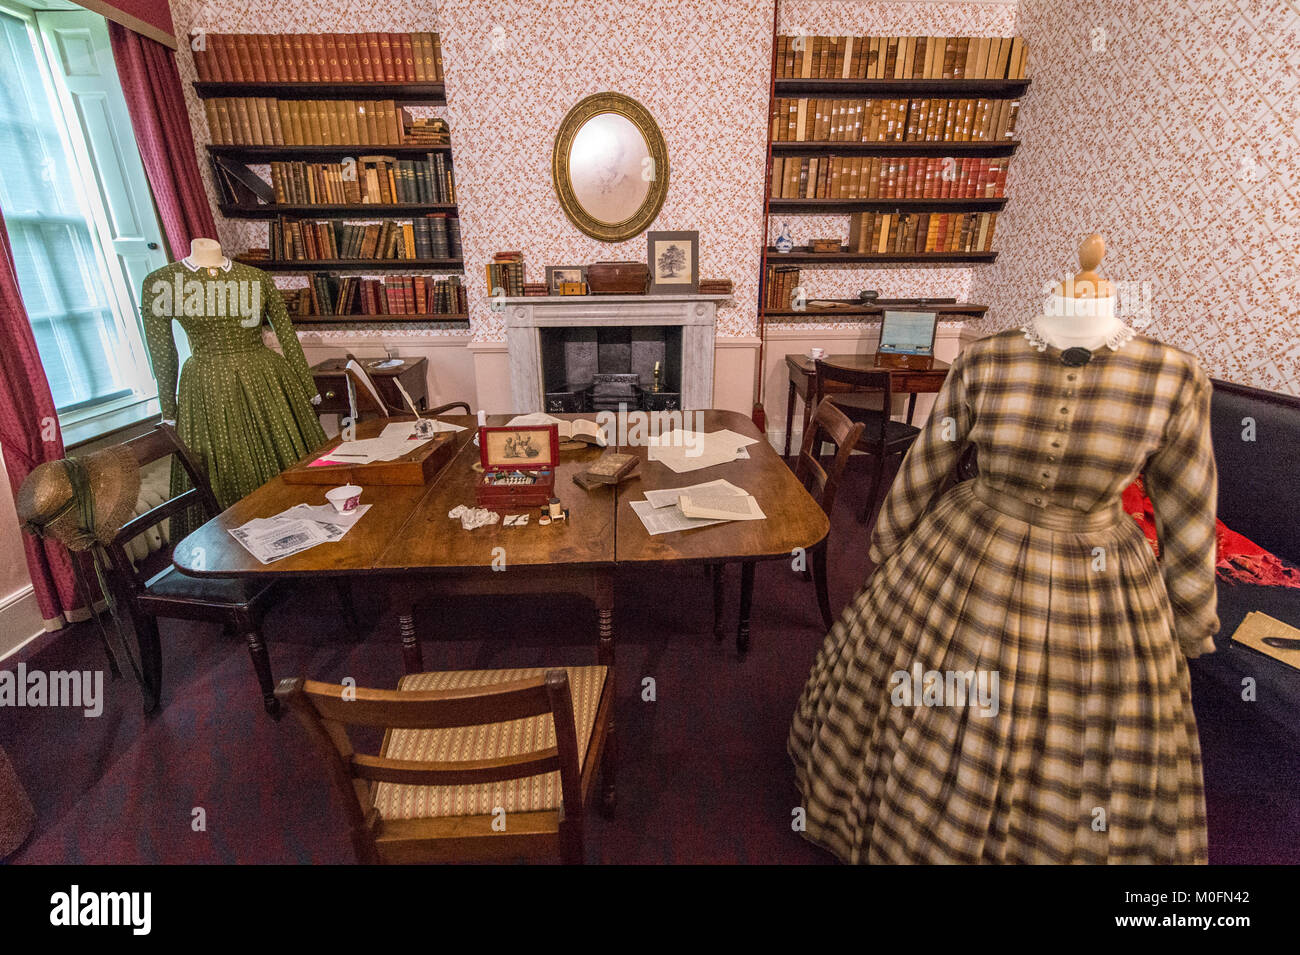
[1257,450]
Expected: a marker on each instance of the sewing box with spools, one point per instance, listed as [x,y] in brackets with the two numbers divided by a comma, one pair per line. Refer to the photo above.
[518,465]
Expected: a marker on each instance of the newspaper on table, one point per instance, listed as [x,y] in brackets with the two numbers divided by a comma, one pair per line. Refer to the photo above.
[294,530]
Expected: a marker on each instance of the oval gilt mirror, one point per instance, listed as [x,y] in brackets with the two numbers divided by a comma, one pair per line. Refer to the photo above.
[610,167]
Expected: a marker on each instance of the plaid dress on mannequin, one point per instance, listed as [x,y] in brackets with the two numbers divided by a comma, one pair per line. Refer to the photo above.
[1032,572]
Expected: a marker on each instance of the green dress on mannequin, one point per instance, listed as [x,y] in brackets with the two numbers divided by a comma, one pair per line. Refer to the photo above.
[244,409]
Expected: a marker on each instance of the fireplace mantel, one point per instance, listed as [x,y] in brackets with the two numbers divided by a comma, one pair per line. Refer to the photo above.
[525,317]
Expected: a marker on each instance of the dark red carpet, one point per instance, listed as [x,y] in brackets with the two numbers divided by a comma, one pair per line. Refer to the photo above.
[703,777]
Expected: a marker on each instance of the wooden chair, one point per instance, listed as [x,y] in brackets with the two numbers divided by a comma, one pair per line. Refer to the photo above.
[371,402]
[238,604]
[454,779]
[829,424]
[882,436]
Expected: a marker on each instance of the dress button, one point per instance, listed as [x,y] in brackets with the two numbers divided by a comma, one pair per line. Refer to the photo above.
[1038,500]
[1052,457]
[1064,410]
[1047,474]
[1069,394]
[1071,377]
[1056,444]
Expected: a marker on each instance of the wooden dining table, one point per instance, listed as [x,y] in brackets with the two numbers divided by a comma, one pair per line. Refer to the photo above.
[407,544]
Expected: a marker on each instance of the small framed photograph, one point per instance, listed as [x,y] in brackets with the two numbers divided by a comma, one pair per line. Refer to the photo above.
[557,275]
[674,260]
[521,447]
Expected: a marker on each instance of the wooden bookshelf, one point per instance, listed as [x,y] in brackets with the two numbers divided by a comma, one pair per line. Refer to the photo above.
[355,265]
[873,89]
[832,206]
[428,94]
[457,318]
[929,147]
[243,197]
[265,154]
[855,310]
[804,257]
[373,210]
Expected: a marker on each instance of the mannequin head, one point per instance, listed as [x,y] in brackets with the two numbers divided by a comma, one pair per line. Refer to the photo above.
[207,252]
[1086,283]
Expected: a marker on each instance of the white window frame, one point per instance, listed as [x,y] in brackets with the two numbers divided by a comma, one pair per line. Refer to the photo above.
[86,423]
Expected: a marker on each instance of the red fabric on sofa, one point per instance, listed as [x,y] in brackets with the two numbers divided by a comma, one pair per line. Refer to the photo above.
[1238,559]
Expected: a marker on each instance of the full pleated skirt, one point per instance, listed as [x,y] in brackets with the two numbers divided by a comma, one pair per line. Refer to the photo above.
[246,417]
[1084,749]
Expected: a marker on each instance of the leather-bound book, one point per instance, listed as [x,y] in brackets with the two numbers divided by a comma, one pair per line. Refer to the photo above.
[408,57]
[387,73]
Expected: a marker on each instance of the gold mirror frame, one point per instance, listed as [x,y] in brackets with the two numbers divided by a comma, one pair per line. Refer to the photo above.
[640,117]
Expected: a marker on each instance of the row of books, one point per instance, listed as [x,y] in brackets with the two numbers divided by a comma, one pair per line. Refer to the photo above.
[894,120]
[393,295]
[506,273]
[435,236]
[267,121]
[318,57]
[883,177]
[779,286]
[892,232]
[900,57]
[368,179]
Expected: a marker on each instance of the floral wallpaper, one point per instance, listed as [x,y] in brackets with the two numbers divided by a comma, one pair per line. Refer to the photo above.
[699,66]
[1171,128]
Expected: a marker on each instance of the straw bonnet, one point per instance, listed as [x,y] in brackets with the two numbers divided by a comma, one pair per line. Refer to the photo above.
[83,500]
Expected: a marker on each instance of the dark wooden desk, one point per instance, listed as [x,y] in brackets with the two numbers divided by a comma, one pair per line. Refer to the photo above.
[331,383]
[803,382]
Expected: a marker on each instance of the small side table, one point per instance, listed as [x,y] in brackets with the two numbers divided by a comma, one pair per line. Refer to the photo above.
[331,382]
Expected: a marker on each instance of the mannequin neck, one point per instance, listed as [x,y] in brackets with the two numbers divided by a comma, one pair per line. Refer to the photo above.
[206,253]
[1069,322]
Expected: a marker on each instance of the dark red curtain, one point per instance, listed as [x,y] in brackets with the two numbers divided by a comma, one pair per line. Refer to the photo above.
[152,86]
[29,432]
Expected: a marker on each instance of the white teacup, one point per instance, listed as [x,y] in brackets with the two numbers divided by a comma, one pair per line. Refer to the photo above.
[344,499]
[817,353]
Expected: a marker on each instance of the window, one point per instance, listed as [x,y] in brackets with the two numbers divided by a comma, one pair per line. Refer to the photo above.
[79,215]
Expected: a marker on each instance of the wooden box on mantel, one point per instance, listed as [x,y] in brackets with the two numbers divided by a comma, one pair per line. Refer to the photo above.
[417,468]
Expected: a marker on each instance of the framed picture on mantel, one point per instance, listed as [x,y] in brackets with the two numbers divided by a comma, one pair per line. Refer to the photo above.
[674,260]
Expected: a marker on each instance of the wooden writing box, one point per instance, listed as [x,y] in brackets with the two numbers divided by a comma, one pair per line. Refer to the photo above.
[518,466]
[417,468]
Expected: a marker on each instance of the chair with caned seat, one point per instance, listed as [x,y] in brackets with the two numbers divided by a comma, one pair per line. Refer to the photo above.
[882,436]
[475,765]
[150,589]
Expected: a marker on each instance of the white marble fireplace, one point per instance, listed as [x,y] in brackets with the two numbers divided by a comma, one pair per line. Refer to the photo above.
[695,314]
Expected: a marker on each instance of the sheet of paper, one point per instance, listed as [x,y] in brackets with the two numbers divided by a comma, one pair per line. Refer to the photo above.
[737,507]
[665,520]
[686,450]
[668,497]
[534,418]
[731,437]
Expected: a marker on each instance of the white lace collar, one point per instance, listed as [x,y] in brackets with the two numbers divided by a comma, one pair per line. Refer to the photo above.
[226,263]
[1115,341]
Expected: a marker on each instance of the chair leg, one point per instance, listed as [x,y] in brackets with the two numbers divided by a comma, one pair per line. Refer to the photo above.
[343,587]
[150,646]
[819,581]
[719,599]
[262,665]
[746,596]
[571,851]
[608,770]
[877,471]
